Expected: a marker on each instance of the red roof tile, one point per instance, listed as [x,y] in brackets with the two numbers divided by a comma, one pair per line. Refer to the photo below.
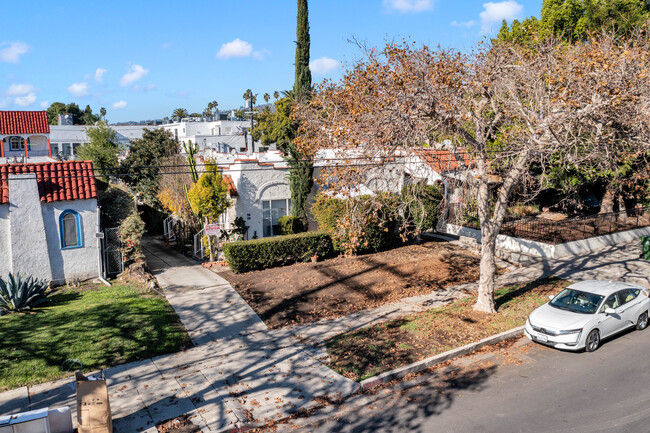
[57,181]
[232,189]
[443,160]
[24,122]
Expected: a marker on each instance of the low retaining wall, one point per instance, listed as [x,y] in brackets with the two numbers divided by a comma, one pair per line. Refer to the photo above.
[549,251]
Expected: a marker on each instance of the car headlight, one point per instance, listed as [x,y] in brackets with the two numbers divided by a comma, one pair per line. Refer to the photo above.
[571,331]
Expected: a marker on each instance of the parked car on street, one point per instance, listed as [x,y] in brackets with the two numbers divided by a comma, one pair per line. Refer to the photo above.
[585,313]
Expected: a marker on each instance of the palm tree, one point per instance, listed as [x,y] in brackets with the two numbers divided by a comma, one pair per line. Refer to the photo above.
[266,98]
[179,112]
[276,95]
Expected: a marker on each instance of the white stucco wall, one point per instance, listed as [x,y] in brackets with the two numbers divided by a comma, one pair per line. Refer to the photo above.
[5,244]
[549,251]
[27,233]
[256,183]
[70,264]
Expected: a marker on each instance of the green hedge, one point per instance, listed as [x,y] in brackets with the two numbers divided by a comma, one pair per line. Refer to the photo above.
[290,225]
[257,254]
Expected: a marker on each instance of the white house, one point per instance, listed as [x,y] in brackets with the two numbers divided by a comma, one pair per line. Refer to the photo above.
[259,182]
[221,136]
[48,220]
[24,136]
[259,188]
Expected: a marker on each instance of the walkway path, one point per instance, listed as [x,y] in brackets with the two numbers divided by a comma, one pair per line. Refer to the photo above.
[231,378]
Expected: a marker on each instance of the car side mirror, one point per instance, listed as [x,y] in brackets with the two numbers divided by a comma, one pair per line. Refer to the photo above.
[610,311]
[551,297]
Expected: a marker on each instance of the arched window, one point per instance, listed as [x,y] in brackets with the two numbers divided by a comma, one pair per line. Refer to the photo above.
[70,228]
[16,143]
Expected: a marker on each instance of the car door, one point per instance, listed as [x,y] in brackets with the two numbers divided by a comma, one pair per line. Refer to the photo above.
[629,305]
[610,323]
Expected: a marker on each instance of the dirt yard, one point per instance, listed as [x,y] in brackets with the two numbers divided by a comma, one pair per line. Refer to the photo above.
[307,292]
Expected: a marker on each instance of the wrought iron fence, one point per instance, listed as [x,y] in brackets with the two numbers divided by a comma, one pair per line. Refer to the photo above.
[567,230]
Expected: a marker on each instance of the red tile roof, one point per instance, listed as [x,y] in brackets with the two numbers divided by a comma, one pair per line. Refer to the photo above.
[443,160]
[232,189]
[57,181]
[24,122]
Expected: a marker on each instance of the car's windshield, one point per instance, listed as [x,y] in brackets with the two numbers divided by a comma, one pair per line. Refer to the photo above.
[577,301]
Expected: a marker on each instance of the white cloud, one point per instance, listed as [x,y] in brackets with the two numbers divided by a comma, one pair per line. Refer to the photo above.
[135,73]
[79,89]
[494,13]
[119,105]
[468,24]
[26,100]
[408,6]
[99,74]
[323,65]
[20,89]
[13,51]
[4,103]
[260,55]
[236,48]
[44,104]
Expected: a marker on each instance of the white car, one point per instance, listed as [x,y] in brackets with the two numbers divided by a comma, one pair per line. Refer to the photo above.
[584,313]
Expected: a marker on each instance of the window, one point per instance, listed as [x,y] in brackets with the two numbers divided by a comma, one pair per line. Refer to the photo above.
[611,302]
[17,143]
[272,210]
[70,228]
[627,295]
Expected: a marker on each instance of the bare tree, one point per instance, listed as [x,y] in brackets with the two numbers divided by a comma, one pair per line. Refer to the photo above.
[503,107]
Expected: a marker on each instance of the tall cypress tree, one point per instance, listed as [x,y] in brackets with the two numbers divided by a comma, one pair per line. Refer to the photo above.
[301,171]
[302,83]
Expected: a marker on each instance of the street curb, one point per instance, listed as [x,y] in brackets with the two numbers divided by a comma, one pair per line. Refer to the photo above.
[400,372]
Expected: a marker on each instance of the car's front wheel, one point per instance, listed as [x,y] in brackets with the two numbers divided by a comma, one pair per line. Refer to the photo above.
[642,321]
[593,340]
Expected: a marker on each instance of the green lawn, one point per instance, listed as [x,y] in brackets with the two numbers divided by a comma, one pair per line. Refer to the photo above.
[98,325]
[372,350]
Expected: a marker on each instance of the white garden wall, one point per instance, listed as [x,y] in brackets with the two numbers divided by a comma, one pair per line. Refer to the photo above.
[549,251]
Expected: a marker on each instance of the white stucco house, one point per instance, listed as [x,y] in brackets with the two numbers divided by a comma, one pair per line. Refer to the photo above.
[221,136]
[259,182]
[48,220]
[258,186]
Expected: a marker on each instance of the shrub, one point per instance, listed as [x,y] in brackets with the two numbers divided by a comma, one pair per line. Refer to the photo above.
[116,203]
[19,293]
[265,253]
[290,225]
[131,231]
[421,206]
[359,224]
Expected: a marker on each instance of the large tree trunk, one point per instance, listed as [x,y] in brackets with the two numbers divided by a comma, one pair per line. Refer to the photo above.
[485,299]
[622,215]
[607,203]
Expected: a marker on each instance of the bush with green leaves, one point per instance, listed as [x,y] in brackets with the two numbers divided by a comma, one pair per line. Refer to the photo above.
[266,253]
[116,204]
[290,225]
[131,231]
[421,206]
[358,224]
[19,292]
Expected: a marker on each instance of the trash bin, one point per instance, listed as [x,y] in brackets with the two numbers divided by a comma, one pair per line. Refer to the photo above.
[645,242]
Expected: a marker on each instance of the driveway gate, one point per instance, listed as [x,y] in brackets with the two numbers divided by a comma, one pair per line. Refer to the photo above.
[112,254]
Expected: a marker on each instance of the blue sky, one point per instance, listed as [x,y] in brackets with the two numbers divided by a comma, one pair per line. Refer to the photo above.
[141,59]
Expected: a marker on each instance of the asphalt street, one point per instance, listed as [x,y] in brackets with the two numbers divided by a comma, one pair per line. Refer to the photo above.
[523,388]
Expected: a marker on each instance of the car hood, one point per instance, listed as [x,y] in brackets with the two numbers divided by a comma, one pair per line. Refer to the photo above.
[556,319]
